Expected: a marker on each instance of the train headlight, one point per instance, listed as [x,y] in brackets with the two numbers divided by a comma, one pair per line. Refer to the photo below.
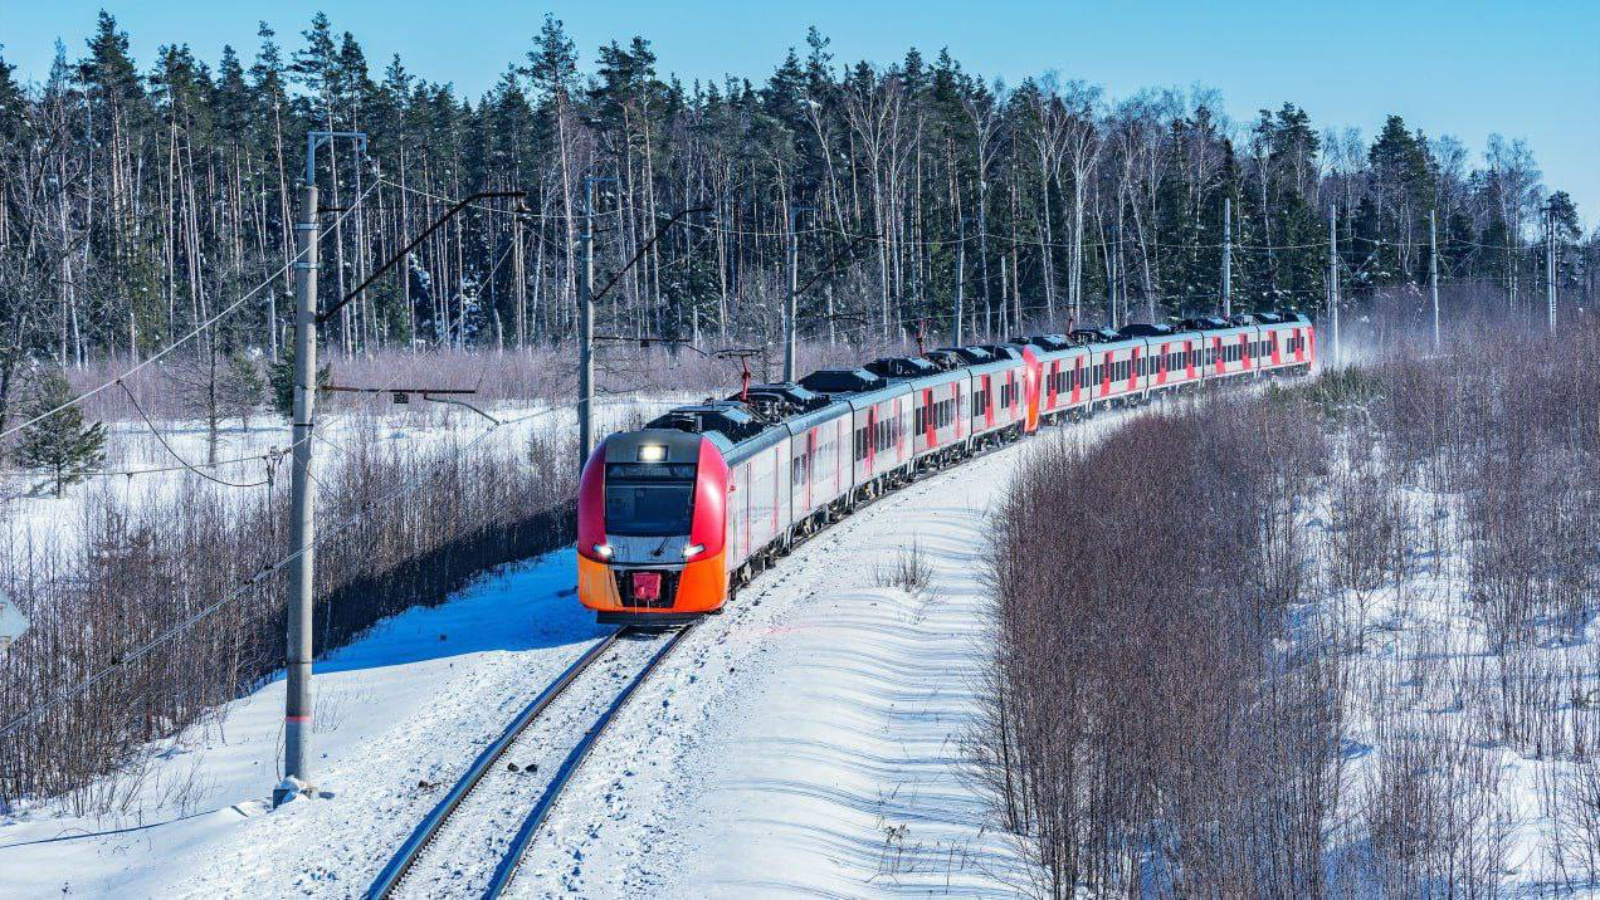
[602,550]
[690,551]
[652,453]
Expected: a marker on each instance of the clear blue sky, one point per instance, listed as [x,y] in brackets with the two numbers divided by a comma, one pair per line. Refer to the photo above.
[1525,69]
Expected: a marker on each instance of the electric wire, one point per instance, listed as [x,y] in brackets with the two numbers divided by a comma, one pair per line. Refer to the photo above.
[174,453]
[195,332]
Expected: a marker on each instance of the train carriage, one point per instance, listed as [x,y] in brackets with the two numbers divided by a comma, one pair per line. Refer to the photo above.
[939,399]
[999,386]
[1176,360]
[1227,345]
[1063,374]
[1115,367]
[881,412]
[1274,337]
[820,470]
[1296,342]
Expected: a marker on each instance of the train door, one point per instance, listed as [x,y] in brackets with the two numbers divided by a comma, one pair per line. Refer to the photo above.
[782,511]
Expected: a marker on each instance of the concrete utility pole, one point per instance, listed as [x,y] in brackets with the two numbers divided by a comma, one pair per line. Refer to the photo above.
[302,520]
[302,517]
[586,329]
[961,280]
[586,325]
[1550,261]
[1227,256]
[1333,278]
[1433,271]
[792,307]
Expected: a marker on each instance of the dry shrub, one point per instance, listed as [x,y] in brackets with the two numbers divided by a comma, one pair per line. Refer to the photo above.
[1144,728]
[911,571]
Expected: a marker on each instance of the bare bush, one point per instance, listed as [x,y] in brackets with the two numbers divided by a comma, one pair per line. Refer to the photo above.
[1143,724]
[911,571]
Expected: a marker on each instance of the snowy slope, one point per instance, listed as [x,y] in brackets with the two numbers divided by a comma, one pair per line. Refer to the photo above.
[808,741]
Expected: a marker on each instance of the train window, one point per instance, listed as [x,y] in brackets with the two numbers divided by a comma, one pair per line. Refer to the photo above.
[649,509]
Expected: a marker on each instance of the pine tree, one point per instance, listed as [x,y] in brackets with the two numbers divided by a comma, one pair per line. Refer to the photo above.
[280,375]
[61,442]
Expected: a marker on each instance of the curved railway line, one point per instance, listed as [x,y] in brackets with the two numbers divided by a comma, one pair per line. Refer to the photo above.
[473,840]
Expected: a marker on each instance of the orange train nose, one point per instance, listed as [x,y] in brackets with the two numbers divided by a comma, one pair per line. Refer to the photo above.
[700,586]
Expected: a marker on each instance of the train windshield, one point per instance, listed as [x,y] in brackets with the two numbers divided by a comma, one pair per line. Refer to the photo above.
[649,501]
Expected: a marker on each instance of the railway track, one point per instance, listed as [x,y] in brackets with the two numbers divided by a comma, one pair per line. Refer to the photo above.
[472,841]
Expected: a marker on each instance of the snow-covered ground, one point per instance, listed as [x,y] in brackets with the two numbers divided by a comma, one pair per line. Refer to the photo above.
[807,742]
[1429,701]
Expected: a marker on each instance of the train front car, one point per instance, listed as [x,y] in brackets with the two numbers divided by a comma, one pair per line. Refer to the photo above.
[652,528]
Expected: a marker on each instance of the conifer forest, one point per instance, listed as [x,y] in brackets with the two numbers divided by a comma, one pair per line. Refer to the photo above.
[143,196]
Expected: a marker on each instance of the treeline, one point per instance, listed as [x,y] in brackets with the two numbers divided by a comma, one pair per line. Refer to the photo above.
[138,198]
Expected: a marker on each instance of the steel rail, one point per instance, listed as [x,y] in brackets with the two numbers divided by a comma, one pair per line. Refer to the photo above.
[410,851]
[507,868]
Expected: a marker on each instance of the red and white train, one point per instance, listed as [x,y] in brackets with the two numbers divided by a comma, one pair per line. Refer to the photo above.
[675,516]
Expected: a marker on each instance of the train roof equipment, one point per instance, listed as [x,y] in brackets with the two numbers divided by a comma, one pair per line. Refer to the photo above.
[1100,335]
[781,400]
[971,355]
[945,359]
[1003,351]
[1206,323]
[902,367]
[731,419]
[1048,342]
[842,381]
[1145,329]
